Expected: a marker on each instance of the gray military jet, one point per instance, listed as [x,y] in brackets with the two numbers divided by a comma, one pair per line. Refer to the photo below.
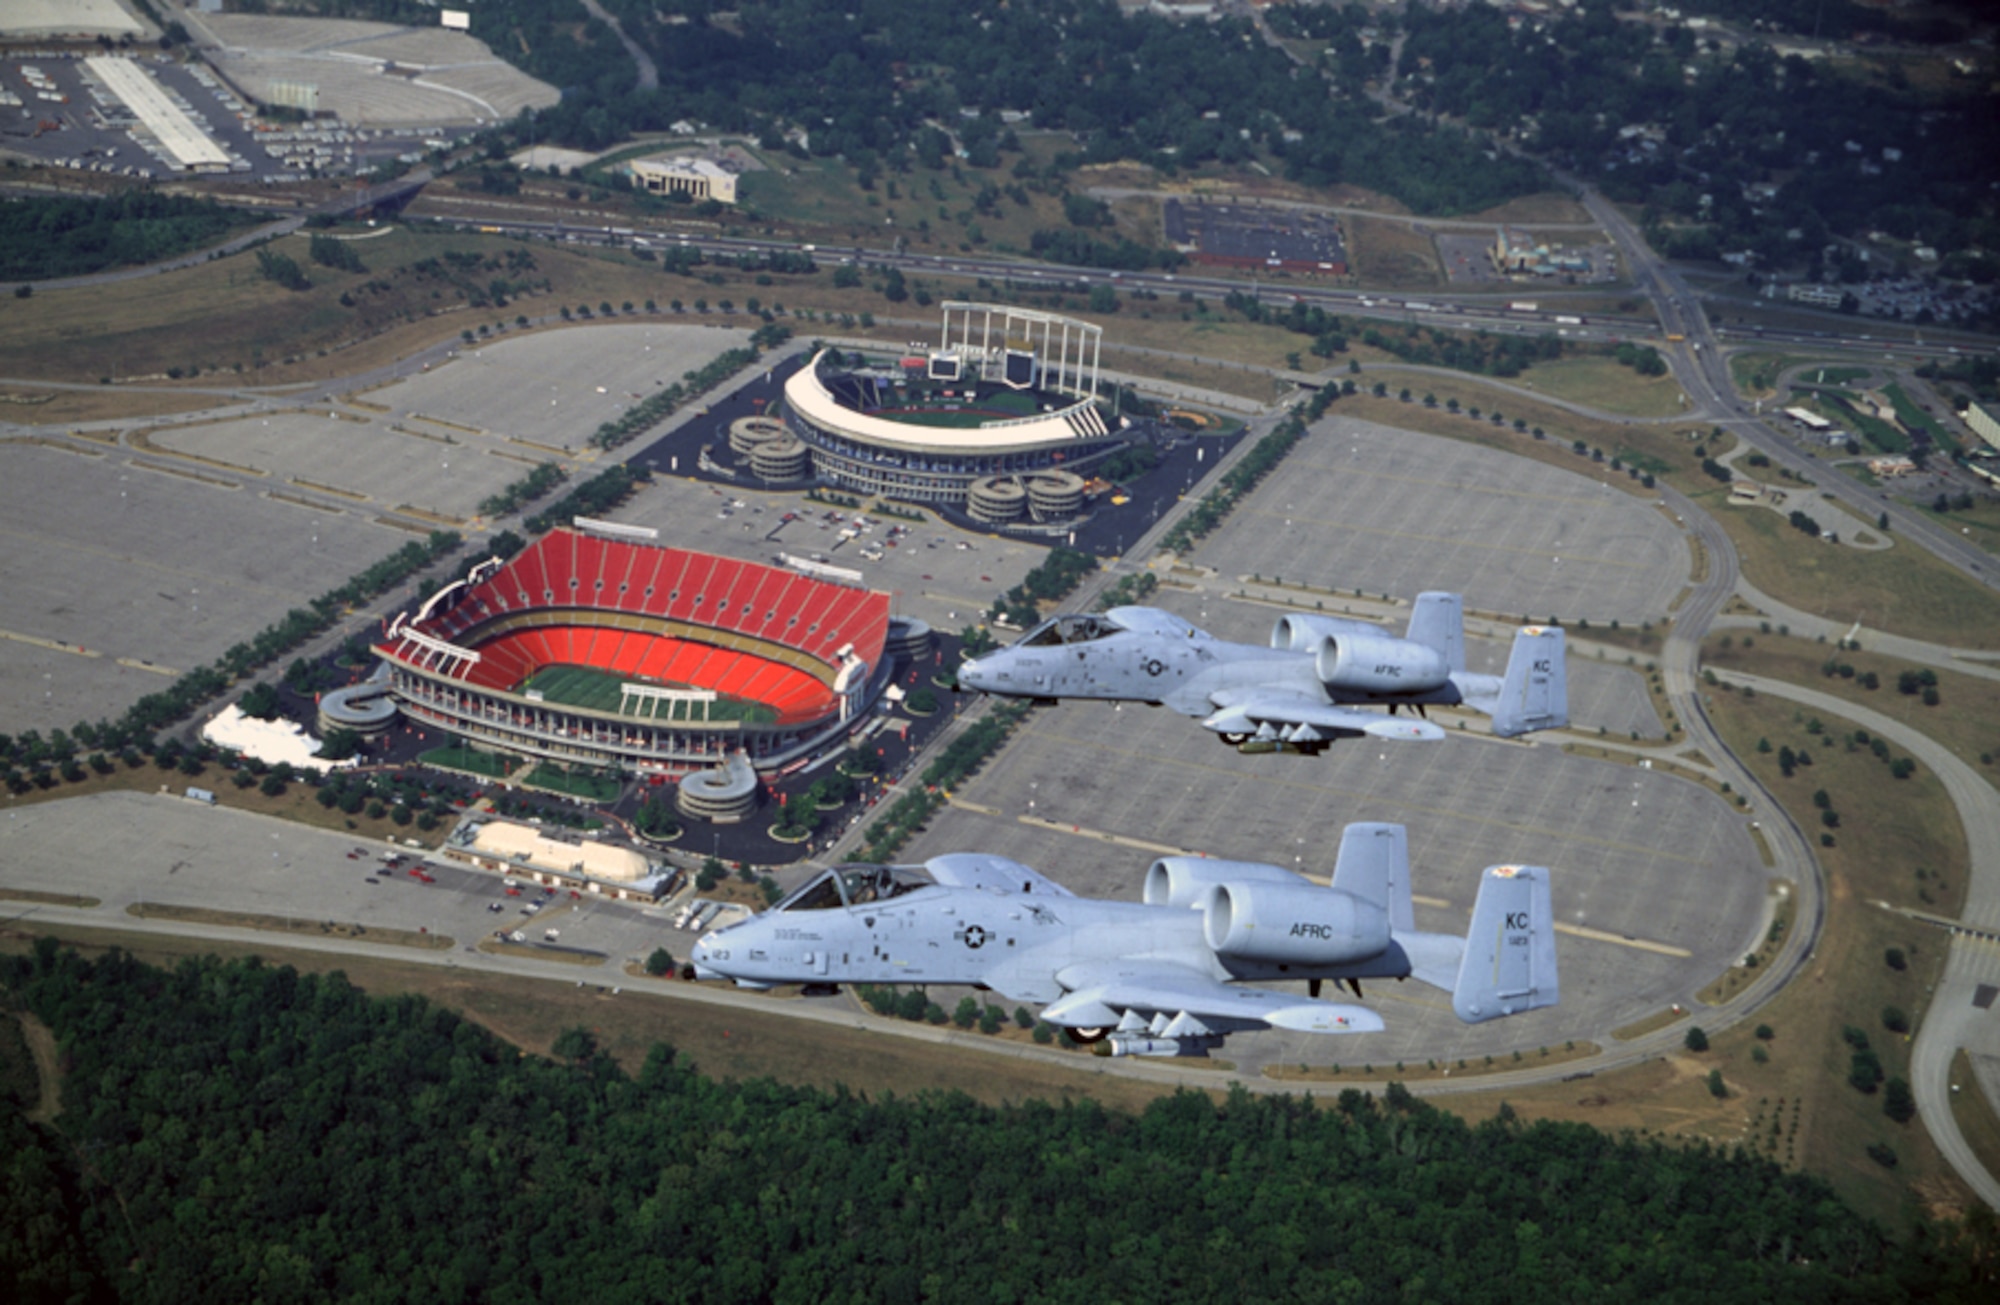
[1161,976]
[1299,691]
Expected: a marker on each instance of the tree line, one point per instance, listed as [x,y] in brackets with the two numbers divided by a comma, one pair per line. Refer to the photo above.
[234,1130]
[883,87]
[45,237]
[1842,152]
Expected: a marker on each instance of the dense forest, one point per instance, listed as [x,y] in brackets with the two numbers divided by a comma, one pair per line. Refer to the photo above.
[1728,149]
[871,83]
[51,237]
[238,1131]
[1741,149]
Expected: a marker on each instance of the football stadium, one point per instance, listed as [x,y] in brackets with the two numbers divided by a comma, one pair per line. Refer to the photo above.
[596,646]
[998,420]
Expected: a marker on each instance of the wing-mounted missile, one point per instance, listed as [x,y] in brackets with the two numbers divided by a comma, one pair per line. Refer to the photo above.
[1292,718]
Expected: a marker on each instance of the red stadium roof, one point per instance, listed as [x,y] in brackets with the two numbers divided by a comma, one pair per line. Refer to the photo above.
[571,579]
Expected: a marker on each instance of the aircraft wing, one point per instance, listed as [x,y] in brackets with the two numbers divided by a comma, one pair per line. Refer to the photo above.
[1101,994]
[996,874]
[1297,718]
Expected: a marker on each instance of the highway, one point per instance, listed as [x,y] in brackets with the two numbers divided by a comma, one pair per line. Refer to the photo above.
[1699,362]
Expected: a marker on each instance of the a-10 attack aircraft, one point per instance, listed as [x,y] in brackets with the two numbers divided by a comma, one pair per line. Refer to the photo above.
[1299,691]
[1160,977]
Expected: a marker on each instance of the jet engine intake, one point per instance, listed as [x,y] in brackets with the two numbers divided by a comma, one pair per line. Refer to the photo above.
[1292,924]
[1181,880]
[1297,633]
[1377,664]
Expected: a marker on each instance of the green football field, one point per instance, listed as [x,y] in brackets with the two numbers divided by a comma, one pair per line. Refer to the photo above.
[579,686]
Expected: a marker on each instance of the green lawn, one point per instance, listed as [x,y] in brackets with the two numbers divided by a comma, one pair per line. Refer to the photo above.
[1915,419]
[470,760]
[1902,589]
[1607,385]
[586,784]
[580,686]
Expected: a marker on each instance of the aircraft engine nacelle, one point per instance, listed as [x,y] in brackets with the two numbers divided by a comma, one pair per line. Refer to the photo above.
[1292,924]
[1379,664]
[1181,880]
[1296,633]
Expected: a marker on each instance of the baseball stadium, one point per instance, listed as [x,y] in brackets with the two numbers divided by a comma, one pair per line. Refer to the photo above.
[596,646]
[999,420]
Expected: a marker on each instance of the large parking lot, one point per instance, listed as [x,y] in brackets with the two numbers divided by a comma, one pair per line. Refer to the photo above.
[1358,505]
[129,848]
[1662,871]
[134,565]
[66,119]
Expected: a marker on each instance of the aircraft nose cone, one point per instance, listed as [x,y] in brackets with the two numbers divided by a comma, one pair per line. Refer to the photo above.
[972,674]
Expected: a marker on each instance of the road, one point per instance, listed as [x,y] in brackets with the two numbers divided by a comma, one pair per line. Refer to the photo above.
[1701,365]
[649,74]
[343,203]
[1952,1019]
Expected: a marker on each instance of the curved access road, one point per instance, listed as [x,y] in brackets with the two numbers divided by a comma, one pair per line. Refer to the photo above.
[1952,1020]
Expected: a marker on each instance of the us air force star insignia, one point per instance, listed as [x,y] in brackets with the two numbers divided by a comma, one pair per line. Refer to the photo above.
[973,936]
[1155,666]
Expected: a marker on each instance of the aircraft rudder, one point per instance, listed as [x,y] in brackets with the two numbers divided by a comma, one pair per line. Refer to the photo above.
[1437,620]
[1535,692]
[1510,954]
[1374,865]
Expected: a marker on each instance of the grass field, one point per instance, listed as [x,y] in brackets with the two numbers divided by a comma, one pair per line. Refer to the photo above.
[1796,1107]
[470,760]
[592,690]
[1899,842]
[1392,255]
[1605,384]
[1976,1121]
[1903,589]
[1981,521]
[1966,719]
[1756,374]
[589,785]
[221,322]
[1915,419]
[27,404]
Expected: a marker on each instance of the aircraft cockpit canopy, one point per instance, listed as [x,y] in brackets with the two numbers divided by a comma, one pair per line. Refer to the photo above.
[853,885]
[1059,630]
